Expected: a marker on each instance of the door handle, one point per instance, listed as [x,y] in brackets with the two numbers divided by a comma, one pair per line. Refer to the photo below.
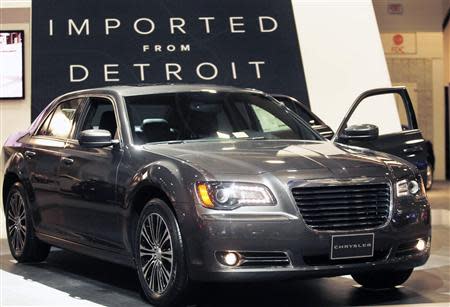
[413,149]
[67,161]
[30,154]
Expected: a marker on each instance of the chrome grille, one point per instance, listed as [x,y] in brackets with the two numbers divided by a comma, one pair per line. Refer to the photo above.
[344,207]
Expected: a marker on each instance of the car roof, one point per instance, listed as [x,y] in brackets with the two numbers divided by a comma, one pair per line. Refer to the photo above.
[148,89]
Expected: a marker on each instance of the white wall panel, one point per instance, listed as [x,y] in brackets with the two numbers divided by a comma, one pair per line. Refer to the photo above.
[342,56]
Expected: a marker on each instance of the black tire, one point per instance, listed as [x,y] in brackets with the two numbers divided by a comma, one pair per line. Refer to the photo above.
[153,257]
[22,240]
[382,279]
[429,177]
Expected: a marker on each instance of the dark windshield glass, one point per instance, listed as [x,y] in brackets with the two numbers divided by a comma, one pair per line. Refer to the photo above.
[208,115]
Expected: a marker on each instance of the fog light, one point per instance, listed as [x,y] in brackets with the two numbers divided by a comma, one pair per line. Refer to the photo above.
[231,259]
[421,245]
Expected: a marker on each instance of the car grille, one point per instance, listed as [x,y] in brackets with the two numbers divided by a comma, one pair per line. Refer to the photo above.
[344,207]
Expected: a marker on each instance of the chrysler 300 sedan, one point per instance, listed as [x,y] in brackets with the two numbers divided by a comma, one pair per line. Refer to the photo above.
[209,183]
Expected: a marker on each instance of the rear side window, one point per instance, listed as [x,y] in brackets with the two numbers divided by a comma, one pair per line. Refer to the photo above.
[59,122]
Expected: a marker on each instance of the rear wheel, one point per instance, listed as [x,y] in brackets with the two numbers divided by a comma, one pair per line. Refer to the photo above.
[160,256]
[382,279]
[23,243]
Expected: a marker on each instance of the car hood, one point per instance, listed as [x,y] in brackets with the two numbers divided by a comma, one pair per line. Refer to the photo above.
[251,157]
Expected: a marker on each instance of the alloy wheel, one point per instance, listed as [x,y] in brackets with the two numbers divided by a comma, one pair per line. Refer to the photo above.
[16,222]
[156,253]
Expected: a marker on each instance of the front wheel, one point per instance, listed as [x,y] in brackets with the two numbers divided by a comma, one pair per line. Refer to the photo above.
[382,279]
[23,243]
[160,256]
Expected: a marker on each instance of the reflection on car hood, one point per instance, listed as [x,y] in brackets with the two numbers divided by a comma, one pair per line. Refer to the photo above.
[261,156]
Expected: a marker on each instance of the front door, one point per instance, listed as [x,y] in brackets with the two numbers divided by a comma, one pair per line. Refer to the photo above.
[87,179]
[42,154]
[399,133]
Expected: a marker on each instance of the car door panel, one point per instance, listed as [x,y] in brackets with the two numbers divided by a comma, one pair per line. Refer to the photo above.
[87,184]
[42,157]
[87,179]
[408,144]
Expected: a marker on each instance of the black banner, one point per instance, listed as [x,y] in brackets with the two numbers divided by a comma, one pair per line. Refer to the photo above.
[84,43]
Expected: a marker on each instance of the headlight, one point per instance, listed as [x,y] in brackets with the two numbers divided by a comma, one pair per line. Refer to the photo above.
[407,187]
[230,195]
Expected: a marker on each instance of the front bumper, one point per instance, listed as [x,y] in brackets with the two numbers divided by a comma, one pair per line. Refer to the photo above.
[308,250]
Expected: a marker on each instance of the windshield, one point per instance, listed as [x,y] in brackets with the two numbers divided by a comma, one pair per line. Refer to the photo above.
[211,116]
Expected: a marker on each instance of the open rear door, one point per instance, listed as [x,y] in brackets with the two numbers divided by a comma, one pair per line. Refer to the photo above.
[398,137]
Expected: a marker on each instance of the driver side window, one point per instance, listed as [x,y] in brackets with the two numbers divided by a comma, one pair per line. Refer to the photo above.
[100,115]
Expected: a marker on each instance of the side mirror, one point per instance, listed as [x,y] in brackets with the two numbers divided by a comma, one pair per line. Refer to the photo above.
[365,132]
[95,138]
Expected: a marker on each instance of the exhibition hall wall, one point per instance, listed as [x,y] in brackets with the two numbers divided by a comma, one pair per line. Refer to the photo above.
[414,48]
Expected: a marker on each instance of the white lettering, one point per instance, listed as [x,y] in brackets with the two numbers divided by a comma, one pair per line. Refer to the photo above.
[261,24]
[175,72]
[185,48]
[171,48]
[178,26]
[234,24]
[141,69]
[200,75]
[233,70]
[143,32]
[108,72]
[72,74]
[84,26]
[207,26]
[50,27]
[111,23]
[257,69]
